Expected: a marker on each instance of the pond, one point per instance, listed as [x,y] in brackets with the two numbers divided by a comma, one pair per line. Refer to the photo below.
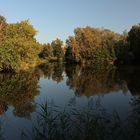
[59,101]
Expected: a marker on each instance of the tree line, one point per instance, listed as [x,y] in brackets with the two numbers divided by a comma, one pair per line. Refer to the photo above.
[19,48]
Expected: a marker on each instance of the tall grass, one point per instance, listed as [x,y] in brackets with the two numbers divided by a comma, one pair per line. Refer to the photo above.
[73,122]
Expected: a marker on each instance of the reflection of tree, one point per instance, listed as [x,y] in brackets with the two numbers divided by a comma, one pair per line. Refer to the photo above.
[3,106]
[47,69]
[19,90]
[53,71]
[58,72]
[131,75]
[93,80]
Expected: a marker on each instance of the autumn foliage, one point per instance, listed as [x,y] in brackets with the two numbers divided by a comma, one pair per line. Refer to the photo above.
[19,48]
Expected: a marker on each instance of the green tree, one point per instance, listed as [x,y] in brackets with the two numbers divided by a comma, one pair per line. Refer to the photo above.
[47,51]
[22,38]
[134,40]
[57,48]
[72,52]
[9,59]
[122,49]
[18,47]
[91,44]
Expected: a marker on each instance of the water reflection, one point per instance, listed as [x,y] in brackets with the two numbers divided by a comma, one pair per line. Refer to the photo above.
[88,123]
[89,81]
[18,90]
[92,80]
[131,74]
[53,71]
[94,121]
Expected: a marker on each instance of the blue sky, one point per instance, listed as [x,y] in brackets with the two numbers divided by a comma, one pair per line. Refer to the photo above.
[58,18]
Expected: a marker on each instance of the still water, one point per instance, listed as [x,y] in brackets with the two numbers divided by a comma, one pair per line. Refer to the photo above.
[57,101]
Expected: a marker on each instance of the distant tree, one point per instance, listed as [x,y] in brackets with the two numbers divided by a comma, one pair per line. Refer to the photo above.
[57,48]
[134,40]
[122,49]
[47,51]
[72,52]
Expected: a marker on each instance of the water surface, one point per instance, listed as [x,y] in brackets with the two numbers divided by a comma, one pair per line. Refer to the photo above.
[109,90]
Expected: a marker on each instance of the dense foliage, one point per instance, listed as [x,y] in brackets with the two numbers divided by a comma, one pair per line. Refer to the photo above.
[122,49]
[134,39]
[103,46]
[57,48]
[128,47]
[18,46]
[20,50]
[46,51]
[53,51]
[91,44]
